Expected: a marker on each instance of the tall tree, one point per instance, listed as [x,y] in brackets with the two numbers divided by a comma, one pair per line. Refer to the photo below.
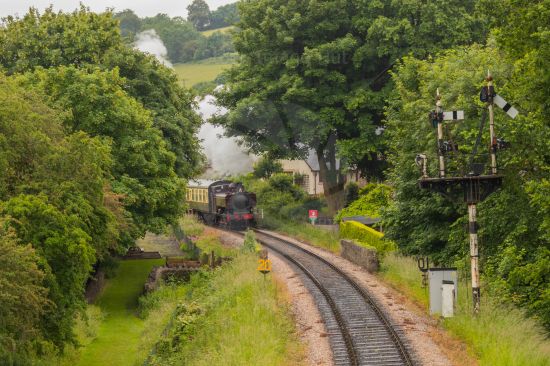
[309,76]
[23,297]
[199,14]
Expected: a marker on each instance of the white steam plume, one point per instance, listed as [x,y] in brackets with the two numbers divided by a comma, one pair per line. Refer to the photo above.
[224,155]
[148,41]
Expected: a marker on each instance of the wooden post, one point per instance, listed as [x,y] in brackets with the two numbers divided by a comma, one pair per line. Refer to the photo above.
[440,153]
[474,256]
[493,146]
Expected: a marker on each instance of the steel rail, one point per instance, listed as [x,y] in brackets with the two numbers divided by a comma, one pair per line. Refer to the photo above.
[397,341]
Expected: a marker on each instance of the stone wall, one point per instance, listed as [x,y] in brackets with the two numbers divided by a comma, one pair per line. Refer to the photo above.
[366,258]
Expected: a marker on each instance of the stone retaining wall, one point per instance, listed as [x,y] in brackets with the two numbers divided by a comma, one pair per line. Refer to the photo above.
[364,257]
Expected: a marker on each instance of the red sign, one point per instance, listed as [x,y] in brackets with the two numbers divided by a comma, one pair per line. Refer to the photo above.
[313,214]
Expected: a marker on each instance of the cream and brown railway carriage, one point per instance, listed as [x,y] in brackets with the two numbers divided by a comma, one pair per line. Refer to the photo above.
[221,202]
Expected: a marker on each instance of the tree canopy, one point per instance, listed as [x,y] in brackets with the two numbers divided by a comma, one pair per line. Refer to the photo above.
[96,142]
[198,14]
[309,74]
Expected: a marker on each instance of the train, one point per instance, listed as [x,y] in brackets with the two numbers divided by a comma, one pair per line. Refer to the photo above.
[221,203]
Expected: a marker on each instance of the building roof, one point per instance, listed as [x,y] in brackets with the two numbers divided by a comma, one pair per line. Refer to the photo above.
[313,162]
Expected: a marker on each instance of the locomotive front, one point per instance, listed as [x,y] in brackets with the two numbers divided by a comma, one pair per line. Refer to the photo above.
[239,206]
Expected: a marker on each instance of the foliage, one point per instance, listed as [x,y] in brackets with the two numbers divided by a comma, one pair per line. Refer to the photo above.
[84,39]
[249,243]
[513,259]
[266,167]
[67,255]
[86,129]
[308,74]
[171,106]
[521,341]
[52,39]
[182,40]
[23,298]
[365,236]
[53,192]
[352,193]
[373,198]
[215,45]
[198,14]
[224,16]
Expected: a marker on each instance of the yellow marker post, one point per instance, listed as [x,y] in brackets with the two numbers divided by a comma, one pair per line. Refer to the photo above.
[264,266]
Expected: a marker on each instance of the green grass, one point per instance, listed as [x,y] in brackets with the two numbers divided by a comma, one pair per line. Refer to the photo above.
[118,339]
[191,226]
[321,238]
[208,33]
[402,273]
[244,320]
[500,335]
[194,73]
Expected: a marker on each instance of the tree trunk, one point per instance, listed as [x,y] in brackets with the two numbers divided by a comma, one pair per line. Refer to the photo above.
[331,177]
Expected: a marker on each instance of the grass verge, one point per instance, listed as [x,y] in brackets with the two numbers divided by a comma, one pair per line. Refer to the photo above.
[321,238]
[229,316]
[500,335]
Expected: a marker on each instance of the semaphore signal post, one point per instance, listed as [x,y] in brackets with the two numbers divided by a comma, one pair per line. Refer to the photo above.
[475,185]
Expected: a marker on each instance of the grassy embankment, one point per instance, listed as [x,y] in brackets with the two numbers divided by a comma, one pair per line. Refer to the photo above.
[500,335]
[230,316]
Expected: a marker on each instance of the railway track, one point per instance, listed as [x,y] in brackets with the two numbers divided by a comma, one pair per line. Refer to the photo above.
[358,330]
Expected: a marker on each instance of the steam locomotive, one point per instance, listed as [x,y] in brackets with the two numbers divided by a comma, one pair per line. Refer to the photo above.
[221,203]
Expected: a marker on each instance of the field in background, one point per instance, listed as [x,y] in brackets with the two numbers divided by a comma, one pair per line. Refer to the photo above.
[208,33]
[191,74]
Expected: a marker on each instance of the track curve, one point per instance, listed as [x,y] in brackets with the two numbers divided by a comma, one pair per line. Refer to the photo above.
[359,332]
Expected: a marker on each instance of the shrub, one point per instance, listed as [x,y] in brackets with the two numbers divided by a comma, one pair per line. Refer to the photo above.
[250,244]
[365,236]
[372,198]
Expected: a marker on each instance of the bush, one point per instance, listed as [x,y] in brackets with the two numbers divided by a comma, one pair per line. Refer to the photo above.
[365,236]
[372,198]
[250,244]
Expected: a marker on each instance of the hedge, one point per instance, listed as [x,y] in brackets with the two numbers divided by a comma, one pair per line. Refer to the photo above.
[365,236]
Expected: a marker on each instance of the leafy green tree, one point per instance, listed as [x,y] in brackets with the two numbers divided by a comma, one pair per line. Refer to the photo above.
[85,39]
[224,16]
[309,76]
[177,35]
[142,166]
[68,257]
[199,14]
[52,39]
[130,23]
[23,298]
[53,190]
[513,221]
[171,106]
[266,167]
